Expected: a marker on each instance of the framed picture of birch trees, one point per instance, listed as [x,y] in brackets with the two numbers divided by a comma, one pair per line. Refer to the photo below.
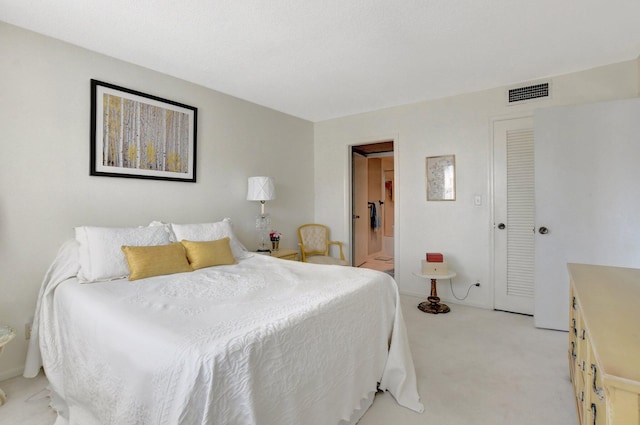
[138,135]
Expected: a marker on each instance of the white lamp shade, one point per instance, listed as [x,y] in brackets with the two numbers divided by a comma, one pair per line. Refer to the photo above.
[261,189]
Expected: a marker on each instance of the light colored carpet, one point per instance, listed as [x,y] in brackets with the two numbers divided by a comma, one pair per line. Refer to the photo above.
[474,366]
[482,367]
[27,402]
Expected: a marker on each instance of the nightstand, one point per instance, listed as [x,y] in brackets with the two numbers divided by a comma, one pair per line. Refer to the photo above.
[286,254]
[6,335]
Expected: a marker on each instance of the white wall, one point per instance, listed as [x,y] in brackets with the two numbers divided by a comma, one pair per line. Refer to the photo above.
[46,190]
[459,125]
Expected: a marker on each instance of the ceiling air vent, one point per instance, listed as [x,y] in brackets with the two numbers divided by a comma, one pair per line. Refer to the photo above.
[534,91]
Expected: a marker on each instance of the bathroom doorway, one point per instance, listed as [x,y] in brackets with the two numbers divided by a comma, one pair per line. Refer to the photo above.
[372,206]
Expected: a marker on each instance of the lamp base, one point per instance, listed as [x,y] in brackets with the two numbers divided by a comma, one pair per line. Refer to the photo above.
[263,223]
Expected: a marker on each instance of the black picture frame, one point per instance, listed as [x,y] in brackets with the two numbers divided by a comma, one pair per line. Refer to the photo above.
[138,135]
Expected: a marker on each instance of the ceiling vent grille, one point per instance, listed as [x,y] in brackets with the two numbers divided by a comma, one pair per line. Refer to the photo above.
[535,91]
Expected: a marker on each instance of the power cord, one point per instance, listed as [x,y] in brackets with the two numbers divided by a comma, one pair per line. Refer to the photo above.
[467,294]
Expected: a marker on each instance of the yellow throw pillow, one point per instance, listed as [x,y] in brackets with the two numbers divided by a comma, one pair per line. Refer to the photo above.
[209,253]
[147,261]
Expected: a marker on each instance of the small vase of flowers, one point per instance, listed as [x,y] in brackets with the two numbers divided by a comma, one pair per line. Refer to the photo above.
[275,240]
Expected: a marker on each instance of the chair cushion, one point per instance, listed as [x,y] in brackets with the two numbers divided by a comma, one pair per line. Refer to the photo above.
[323,259]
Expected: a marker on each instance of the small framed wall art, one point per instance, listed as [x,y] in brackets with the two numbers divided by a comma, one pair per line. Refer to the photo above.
[441,178]
[138,135]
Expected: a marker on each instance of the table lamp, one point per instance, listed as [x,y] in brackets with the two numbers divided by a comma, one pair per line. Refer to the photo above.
[262,189]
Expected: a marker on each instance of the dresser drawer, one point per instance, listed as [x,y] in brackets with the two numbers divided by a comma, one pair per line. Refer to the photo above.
[596,396]
[604,349]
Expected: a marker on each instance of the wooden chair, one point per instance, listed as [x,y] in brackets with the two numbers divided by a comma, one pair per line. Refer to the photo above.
[314,245]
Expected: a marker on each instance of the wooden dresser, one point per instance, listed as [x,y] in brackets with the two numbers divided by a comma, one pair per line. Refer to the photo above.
[604,344]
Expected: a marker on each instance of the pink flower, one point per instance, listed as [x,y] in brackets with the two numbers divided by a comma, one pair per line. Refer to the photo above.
[275,235]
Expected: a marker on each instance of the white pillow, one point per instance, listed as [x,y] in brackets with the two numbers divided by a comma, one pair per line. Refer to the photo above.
[101,256]
[210,232]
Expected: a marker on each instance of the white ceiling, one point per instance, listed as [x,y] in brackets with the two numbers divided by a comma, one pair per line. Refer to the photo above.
[321,59]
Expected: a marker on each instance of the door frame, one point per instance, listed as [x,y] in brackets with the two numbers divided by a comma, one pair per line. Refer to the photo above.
[359,254]
[492,217]
[348,213]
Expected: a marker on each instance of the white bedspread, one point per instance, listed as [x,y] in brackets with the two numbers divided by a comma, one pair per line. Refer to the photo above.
[266,341]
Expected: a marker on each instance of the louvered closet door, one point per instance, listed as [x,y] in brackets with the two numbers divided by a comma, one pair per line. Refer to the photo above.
[514,215]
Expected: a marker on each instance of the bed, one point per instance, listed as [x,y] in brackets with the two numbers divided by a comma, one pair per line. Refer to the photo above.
[257,341]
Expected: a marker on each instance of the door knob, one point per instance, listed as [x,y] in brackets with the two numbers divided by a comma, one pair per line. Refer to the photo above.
[355,216]
[543,230]
[501,226]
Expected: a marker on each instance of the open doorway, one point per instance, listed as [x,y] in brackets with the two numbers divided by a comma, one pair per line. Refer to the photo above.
[372,206]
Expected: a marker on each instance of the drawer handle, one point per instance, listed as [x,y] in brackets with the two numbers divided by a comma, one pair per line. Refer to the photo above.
[581,398]
[573,350]
[584,334]
[573,326]
[593,412]
[597,391]
[573,302]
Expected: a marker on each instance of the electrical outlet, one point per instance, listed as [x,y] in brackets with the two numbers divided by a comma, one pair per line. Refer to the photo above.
[27,330]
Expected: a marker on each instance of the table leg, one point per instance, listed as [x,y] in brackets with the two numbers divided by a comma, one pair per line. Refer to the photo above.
[3,396]
[432,305]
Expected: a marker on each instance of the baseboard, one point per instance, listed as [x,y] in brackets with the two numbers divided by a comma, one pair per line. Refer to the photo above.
[11,373]
[423,297]
[457,302]
[413,294]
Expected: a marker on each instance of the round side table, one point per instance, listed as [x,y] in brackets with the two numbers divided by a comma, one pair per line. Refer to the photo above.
[432,305]
[6,335]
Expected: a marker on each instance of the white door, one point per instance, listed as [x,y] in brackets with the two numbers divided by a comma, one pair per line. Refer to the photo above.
[514,215]
[587,196]
[359,210]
